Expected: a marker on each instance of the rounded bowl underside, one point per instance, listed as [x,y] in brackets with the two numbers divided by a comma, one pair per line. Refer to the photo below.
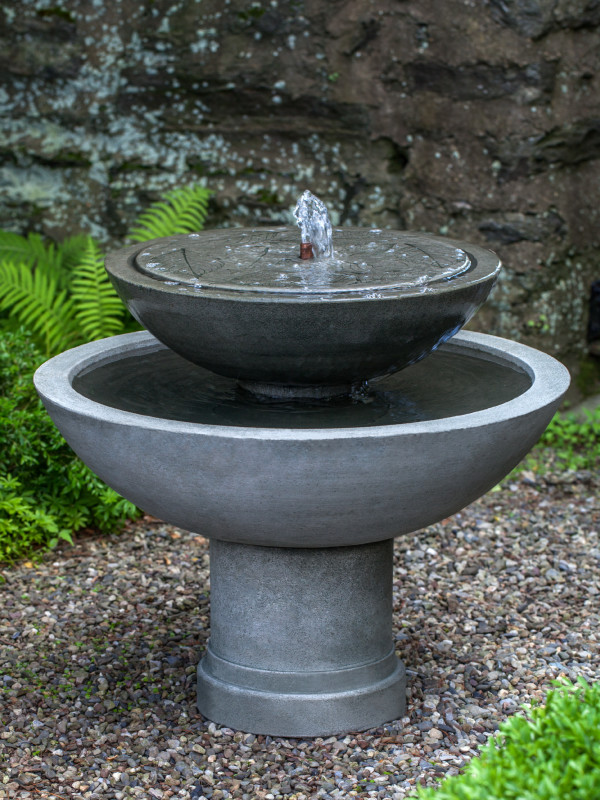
[327,323]
[266,484]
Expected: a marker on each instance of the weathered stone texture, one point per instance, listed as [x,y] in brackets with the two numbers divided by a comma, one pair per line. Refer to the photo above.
[479,120]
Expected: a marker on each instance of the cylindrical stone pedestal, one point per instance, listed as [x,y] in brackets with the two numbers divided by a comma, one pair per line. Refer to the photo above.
[301,640]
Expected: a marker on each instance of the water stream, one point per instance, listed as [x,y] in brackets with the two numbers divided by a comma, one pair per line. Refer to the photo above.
[315,226]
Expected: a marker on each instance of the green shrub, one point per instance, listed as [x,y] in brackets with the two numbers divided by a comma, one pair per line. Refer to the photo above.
[46,492]
[576,444]
[551,754]
[55,296]
[568,443]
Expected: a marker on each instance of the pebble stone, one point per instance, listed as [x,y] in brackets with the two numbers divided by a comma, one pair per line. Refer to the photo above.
[99,644]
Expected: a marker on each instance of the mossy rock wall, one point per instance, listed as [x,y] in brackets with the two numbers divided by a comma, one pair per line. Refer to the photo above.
[479,120]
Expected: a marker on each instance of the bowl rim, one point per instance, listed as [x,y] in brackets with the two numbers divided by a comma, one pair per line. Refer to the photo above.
[120,265]
[549,381]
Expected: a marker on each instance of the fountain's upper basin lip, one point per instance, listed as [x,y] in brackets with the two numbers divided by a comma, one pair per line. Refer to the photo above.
[196,266]
[549,381]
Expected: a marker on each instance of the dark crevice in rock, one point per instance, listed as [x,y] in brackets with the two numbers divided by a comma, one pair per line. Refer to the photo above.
[267,21]
[537,18]
[45,24]
[398,156]
[226,107]
[565,146]
[369,30]
[481,80]
[593,330]
[528,17]
[569,144]
[351,191]
[514,227]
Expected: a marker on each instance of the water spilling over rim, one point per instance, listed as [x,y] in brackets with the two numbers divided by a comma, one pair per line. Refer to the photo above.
[365,263]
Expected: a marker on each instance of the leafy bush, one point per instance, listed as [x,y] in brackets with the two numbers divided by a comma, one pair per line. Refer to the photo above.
[46,492]
[59,295]
[61,292]
[551,754]
[576,444]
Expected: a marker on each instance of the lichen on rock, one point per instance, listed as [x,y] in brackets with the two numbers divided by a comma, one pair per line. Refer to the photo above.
[477,121]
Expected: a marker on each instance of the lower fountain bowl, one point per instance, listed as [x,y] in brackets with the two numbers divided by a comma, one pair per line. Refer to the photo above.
[286,486]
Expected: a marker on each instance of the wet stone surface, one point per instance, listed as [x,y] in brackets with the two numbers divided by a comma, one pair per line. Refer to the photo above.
[99,645]
[268,261]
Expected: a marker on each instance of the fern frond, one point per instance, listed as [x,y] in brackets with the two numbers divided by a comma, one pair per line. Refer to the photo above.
[182,210]
[98,310]
[29,250]
[36,300]
[72,250]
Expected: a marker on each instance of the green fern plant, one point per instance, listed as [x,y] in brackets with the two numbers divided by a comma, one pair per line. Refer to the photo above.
[34,298]
[64,297]
[72,250]
[180,211]
[61,292]
[98,310]
[30,250]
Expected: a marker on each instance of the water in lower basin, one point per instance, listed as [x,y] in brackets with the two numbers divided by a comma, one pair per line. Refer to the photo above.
[159,383]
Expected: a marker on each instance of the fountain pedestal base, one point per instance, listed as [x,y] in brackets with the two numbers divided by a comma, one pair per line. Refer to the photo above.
[301,640]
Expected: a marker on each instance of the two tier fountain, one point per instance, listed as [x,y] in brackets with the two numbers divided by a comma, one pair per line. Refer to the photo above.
[301,412]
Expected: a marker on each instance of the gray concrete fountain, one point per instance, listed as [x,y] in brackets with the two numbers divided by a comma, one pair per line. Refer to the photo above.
[301,413]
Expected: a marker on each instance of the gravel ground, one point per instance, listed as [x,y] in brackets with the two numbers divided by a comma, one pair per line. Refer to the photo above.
[99,645]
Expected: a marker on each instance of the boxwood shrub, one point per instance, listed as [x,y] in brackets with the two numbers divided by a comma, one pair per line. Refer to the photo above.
[552,753]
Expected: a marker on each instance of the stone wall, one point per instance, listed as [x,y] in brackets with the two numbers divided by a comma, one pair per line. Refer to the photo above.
[479,119]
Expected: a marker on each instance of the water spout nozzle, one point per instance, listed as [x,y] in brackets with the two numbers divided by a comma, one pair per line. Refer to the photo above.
[306,250]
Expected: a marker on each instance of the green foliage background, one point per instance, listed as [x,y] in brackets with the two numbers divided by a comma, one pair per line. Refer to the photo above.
[575,443]
[553,753]
[46,492]
[61,293]
[52,297]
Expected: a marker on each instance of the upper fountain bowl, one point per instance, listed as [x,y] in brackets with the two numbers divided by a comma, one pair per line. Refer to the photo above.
[242,303]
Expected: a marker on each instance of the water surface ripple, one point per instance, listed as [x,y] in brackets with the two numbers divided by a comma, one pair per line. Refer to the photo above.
[160,383]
